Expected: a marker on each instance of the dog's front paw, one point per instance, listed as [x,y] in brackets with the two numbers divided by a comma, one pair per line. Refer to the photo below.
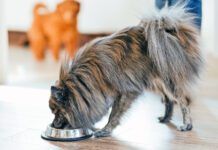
[102,133]
[164,119]
[94,129]
[186,127]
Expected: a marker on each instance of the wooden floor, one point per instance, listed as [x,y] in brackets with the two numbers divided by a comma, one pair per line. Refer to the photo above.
[25,114]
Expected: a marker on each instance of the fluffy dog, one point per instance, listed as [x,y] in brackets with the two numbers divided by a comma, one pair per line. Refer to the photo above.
[52,29]
[161,54]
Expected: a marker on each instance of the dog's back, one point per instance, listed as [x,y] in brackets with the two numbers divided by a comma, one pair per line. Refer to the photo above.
[162,48]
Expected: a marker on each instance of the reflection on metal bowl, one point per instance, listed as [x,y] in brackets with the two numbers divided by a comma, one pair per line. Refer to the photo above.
[54,134]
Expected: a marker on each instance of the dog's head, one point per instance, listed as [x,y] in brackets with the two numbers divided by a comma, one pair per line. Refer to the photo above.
[69,10]
[64,107]
[57,104]
[61,107]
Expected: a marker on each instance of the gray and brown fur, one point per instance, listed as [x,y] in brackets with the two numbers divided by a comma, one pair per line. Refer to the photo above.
[161,54]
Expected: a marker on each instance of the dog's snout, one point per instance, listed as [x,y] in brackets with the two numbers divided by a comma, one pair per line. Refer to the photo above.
[59,122]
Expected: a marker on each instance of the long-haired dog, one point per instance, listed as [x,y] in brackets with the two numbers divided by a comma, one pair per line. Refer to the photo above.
[53,29]
[161,54]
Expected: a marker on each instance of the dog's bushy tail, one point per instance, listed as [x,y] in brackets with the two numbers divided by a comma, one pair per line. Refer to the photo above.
[173,43]
[39,8]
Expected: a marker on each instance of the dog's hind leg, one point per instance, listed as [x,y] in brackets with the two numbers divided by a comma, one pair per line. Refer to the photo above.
[120,106]
[187,121]
[169,104]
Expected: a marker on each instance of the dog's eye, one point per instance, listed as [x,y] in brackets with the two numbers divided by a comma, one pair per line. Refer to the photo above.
[55,111]
[53,108]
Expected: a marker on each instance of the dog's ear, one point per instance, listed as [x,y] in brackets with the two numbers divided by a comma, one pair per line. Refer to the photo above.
[60,94]
[77,6]
[163,25]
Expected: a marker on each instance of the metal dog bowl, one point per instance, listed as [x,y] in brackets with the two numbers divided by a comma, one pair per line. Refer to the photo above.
[54,134]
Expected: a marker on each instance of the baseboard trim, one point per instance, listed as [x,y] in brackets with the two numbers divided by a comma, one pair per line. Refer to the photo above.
[19,38]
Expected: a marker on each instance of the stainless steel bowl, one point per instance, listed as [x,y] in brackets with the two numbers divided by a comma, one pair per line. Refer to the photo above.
[54,134]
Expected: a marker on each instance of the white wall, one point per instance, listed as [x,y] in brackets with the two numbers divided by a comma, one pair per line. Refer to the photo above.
[208,25]
[3,46]
[18,13]
[216,25]
[111,15]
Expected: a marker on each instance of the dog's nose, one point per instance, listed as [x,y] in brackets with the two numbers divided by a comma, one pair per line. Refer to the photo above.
[58,122]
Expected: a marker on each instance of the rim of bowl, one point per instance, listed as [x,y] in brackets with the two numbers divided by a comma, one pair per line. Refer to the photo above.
[49,126]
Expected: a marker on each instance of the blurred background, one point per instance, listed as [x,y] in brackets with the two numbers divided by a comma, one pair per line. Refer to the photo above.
[96,18]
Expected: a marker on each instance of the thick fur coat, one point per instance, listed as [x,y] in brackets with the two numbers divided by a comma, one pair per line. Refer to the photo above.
[161,54]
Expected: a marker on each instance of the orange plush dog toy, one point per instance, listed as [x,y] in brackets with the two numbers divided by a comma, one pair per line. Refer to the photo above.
[54,29]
